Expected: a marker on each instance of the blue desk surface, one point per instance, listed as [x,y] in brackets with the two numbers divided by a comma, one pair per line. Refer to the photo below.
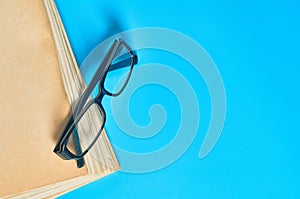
[256,46]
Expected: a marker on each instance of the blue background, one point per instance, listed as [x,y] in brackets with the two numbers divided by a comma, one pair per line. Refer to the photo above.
[256,47]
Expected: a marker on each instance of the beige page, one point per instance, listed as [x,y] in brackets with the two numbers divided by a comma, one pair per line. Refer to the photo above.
[33,103]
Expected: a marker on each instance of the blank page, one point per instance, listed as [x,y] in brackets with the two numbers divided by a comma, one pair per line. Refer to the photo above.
[33,102]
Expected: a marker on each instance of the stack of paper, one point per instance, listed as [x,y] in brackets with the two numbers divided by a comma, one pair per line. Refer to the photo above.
[39,83]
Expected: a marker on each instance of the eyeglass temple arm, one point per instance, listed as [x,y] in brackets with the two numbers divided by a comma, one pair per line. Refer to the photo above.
[125,62]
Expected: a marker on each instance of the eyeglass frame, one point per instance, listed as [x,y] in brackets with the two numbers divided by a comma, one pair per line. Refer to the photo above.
[99,77]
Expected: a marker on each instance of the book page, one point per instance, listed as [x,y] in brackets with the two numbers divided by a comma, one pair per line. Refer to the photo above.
[33,103]
[101,157]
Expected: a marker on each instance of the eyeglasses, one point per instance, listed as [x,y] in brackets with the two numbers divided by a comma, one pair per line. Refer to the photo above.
[119,56]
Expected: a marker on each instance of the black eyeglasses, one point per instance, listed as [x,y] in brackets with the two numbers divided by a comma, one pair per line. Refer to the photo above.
[119,56]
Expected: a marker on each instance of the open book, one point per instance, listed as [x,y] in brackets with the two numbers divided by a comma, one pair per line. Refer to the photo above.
[39,83]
